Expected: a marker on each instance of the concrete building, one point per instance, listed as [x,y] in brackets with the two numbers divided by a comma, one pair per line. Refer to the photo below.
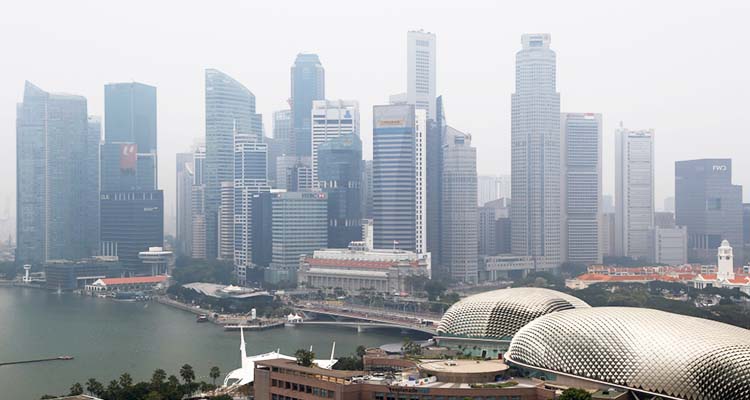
[294,173]
[494,228]
[339,175]
[331,119]
[436,128]
[298,227]
[420,71]
[367,194]
[669,245]
[581,165]
[308,85]
[664,219]
[67,275]
[157,259]
[607,235]
[358,268]
[250,177]
[492,187]
[505,267]
[225,240]
[634,192]
[130,115]
[57,174]
[184,203]
[261,216]
[399,177]
[458,250]
[709,206]
[283,131]
[230,110]
[535,155]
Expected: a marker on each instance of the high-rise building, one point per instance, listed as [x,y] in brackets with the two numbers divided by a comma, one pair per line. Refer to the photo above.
[399,177]
[225,241]
[134,222]
[491,187]
[709,206]
[283,131]
[367,189]
[460,220]
[669,245]
[57,177]
[275,150]
[308,85]
[421,75]
[262,243]
[494,227]
[230,111]
[669,204]
[535,154]
[92,184]
[746,223]
[331,119]
[184,203]
[436,128]
[339,175]
[298,227]
[664,219]
[129,175]
[634,192]
[198,242]
[607,234]
[250,177]
[581,165]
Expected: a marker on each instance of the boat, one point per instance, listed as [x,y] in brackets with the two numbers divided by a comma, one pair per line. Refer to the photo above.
[202,318]
[65,357]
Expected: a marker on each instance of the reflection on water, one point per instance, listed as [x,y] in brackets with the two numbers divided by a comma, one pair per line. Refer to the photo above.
[108,338]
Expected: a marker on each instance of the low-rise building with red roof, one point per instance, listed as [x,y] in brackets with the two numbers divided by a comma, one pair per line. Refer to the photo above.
[128,284]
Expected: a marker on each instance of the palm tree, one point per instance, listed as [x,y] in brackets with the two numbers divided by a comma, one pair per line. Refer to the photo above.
[214,374]
[76,389]
[187,373]
[126,380]
[94,387]
[158,378]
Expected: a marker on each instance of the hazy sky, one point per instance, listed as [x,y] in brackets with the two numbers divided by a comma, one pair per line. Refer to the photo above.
[679,67]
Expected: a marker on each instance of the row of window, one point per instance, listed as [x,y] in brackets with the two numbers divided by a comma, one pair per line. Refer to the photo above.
[391,396]
[301,388]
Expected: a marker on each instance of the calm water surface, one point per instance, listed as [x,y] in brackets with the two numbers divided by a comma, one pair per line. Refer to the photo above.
[108,338]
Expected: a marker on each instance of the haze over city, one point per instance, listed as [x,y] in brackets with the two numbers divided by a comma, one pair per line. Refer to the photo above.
[676,67]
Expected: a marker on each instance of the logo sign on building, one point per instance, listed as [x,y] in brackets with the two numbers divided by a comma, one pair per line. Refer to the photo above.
[128,157]
[390,123]
[719,168]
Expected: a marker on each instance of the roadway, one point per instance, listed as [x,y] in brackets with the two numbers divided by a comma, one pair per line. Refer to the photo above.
[383,317]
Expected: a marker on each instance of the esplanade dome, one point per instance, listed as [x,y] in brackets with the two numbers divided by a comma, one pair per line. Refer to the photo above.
[499,314]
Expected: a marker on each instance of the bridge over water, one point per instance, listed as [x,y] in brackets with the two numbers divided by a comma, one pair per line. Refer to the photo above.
[367,317]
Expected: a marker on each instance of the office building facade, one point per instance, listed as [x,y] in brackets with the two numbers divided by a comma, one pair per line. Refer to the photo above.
[339,175]
[436,128]
[458,247]
[331,119]
[130,115]
[492,187]
[581,165]
[669,245]
[421,74]
[250,177]
[283,131]
[634,192]
[709,206]
[230,110]
[57,177]
[399,177]
[535,154]
[308,85]
[184,203]
[225,240]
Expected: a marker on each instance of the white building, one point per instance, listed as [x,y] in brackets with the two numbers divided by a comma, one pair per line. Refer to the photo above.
[331,119]
[669,245]
[725,276]
[420,76]
[420,159]
[359,268]
[634,192]
[581,165]
[535,154]
[490,187]
[157,258]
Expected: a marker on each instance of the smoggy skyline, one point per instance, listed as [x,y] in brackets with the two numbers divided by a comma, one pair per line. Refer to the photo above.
[677,67]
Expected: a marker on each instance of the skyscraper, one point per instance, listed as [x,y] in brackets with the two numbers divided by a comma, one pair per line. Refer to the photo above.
[225,240]
[434,183]
[339,175]
[57,175]
[331,119]
[535,154]
[492,187]
[130,199]
[230,110]
[459,212]
[634,192]
[250,178]
[399,177]
[283,131]
[581,186]
[709,206]
[184,203]
[308,84]
[420,77]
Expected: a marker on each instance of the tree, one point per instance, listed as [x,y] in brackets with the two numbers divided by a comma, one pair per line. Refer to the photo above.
[304,357]
[214,374]
[434,290]
[158,378]
[575,394]
[76,389]
[94,387]
[361,351]
[410,348]
[112,390]
[126,380]
[187,374]
[153,395]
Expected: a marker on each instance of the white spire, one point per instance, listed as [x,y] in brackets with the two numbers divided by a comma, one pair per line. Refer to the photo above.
[243,351]
[725,264]
[333,349]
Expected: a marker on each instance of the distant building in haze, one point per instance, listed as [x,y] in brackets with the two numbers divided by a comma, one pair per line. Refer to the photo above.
[535,154]
[709,206]
[458,247]
[669,245]
[494,228]
[339,175]
[421,74]
[491,187]
[184,203]
[225,241]
[331,119]
[308,84]
[634,192]
[399,177]
[283,131]
[57,177]
[581,165]
[250,178]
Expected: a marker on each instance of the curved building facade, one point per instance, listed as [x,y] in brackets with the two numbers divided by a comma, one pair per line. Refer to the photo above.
[499,314]
[643,350]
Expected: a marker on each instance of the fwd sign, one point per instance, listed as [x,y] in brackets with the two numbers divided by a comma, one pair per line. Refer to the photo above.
[720,167]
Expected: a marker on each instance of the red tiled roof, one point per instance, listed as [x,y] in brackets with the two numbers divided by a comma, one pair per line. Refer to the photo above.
[134,280]
[327,262]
